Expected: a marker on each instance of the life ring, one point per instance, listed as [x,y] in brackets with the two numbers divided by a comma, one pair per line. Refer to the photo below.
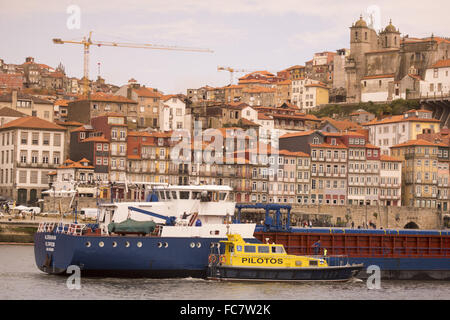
[222,258]
[212,258]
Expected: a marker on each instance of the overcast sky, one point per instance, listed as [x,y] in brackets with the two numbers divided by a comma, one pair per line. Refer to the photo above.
[249,34]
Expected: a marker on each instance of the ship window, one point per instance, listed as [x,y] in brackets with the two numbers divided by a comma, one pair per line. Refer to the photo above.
[298,263]
[168,195]
[161,195]
[249,249]
[174,195]
[222,196]
[195,195]
[263,249]
[277,249]
[313,262]
[238,248]
[231,248]
[184,195]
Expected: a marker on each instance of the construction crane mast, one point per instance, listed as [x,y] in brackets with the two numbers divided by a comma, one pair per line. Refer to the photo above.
[88,42]
[232,71]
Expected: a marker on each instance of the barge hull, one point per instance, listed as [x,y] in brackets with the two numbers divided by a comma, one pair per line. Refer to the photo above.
[400,255]
[285,274]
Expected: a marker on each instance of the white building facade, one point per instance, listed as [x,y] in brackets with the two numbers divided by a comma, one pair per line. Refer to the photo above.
[31,148]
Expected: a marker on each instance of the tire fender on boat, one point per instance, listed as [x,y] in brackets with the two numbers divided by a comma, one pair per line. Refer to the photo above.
[212,258]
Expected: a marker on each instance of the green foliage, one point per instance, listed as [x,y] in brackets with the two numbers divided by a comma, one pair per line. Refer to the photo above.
[396,107]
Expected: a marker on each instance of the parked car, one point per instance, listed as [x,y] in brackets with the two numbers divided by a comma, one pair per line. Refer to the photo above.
[35,210]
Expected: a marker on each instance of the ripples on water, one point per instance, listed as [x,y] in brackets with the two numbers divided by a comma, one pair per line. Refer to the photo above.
[20,279]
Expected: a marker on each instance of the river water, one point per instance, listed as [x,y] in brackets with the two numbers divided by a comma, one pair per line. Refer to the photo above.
[20,279]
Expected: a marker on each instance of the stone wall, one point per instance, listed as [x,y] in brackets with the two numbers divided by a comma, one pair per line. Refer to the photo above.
[386,217]
[63,204]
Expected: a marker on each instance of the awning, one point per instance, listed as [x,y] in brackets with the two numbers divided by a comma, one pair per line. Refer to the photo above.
[58,191]
[86,190]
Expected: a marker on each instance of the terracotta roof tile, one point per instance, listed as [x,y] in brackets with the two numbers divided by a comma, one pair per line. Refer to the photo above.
[8,112]
[419,142]
[297,134]
[389,158]
[147,92]
[441,64]
[32,123]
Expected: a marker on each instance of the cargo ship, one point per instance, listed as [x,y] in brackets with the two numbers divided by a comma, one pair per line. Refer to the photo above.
[189,220]
[186,221]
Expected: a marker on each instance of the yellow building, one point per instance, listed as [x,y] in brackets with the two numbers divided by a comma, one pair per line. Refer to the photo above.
[419,173]
[315,94]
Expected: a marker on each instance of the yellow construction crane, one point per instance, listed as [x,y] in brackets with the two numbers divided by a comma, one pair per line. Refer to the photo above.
[232,71]
[88,42]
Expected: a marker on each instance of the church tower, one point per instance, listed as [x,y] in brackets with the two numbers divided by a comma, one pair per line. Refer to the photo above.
[363,39]
[390,37]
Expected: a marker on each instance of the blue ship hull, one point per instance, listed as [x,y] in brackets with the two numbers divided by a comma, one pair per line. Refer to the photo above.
[153,257]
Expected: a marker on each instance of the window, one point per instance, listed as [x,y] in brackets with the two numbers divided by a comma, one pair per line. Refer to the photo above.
[35,138]
[435,73]
[56,158]
[57,139]
[250,249]
[46,140]
[277,249]
[263,249]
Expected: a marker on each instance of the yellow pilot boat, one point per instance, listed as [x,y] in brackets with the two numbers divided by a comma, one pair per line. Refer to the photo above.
[270,262]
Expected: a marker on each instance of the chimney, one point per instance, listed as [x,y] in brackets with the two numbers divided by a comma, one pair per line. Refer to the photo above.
[14,99]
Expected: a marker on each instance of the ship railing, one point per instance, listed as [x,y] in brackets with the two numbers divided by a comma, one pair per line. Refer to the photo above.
[46,226]
[70,228]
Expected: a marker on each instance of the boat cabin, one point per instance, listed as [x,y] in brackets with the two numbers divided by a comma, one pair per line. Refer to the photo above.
[239,253]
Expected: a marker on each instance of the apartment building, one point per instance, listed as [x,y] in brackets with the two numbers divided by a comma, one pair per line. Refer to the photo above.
[28,104]
[90,144]
[437,80]
[98,104]
[390,187]
[149,103]
[420,172]
[113,127]
[31,148]
[395,130]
